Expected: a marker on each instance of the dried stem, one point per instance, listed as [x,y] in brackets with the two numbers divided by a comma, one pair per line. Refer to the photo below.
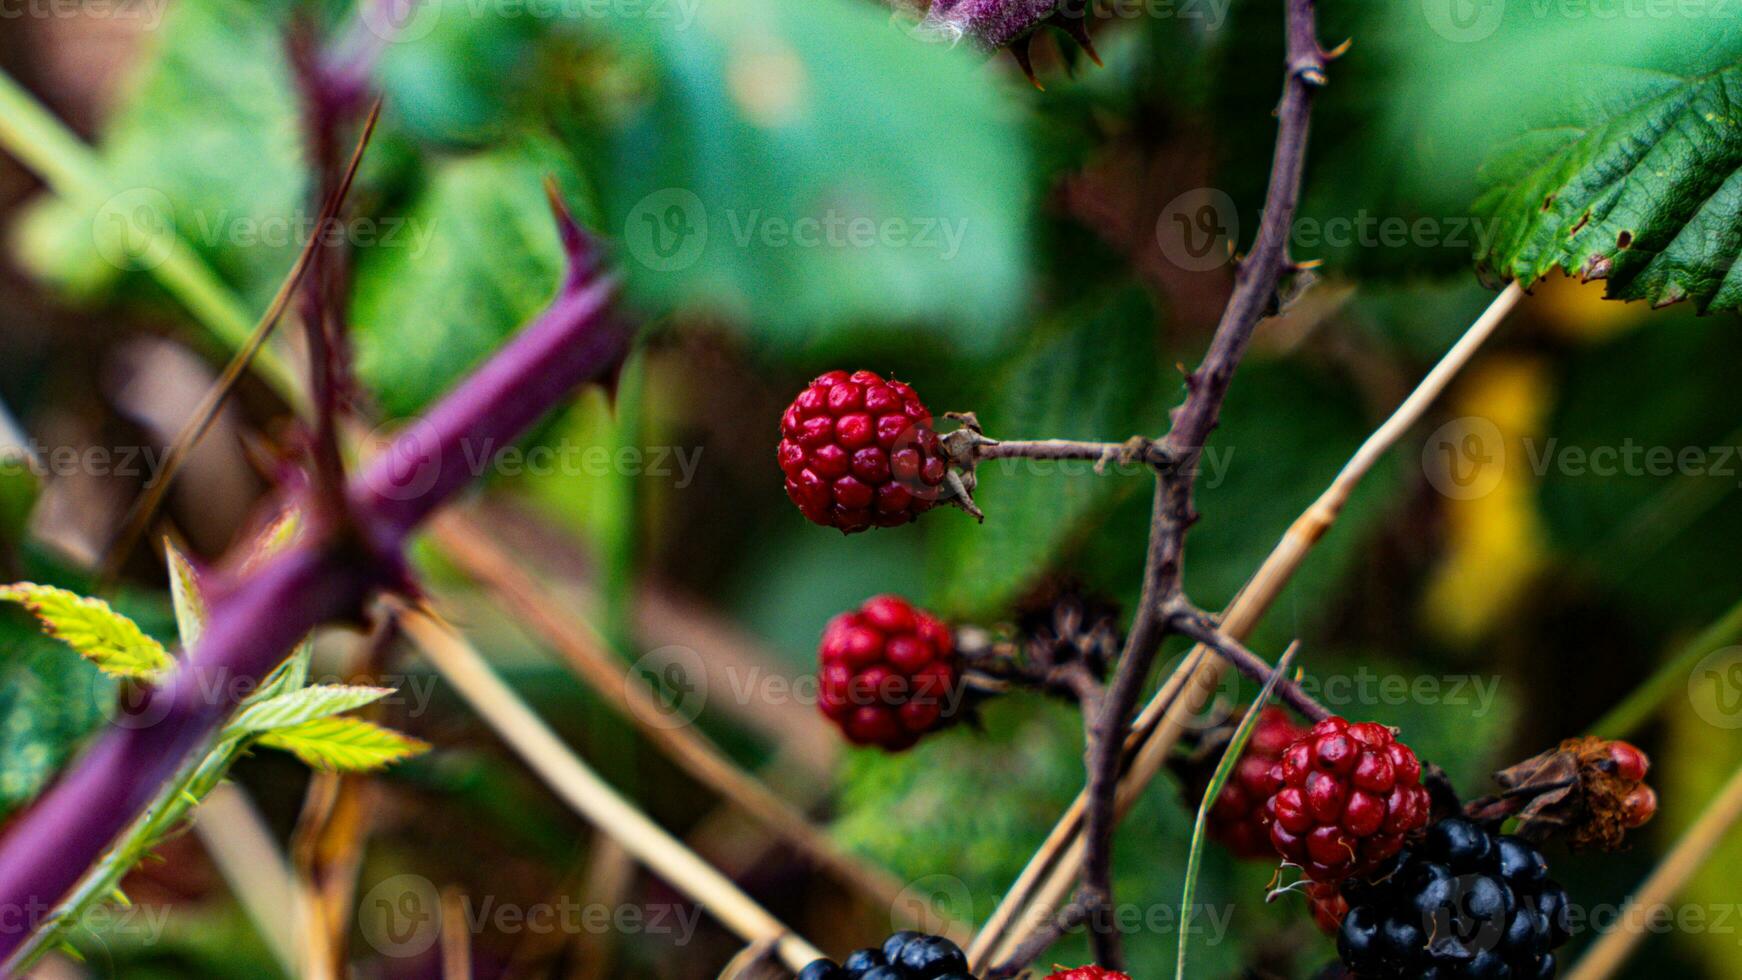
[194,429]
[584,651]
[591,797]
[1607,955]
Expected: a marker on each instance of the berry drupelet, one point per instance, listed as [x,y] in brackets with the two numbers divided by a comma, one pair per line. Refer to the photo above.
[903,956]
[1465,904]
[1236,818]
[860,452]
[1088,973]
[887,673]
[1343,797]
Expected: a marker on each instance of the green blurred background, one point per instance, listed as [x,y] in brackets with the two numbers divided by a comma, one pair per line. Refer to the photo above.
[1027,265]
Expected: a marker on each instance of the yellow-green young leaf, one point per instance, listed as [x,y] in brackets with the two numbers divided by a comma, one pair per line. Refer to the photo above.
[184,592]
[305,705]
[276,537]
[344,744]
[105,637]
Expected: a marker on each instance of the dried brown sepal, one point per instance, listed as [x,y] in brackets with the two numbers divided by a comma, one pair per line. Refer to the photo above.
[1588,790]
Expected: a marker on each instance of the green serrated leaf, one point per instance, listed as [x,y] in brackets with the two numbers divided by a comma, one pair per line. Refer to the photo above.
[184,594]
[1635,177]
[103,636]
[344,744]
[305,705]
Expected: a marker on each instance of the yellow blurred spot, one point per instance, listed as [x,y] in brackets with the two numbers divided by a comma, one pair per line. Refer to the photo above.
[1577,310]
[1495,540]
[768,83]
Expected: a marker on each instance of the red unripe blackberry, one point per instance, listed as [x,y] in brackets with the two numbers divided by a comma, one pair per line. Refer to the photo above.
[1328,906]
[1088,973]
[1344,796]
[1630,763]
[887,673]
[1639,806]
[859,451]
[1236,820]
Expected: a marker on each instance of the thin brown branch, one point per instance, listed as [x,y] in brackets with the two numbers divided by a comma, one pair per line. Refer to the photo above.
[1200,626]
[1050,873]
[1254,296]
[194,429]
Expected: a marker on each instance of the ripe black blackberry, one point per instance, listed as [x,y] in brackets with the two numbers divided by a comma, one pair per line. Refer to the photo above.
[904,956]
[1465,904]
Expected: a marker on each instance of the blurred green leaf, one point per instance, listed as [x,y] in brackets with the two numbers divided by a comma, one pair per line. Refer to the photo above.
[49,701]
[477,257]
[208,142]
[1286,431]
[19,487]
[1098,377]
[1639,490]
[1636,178]
[465,78]
[803,165]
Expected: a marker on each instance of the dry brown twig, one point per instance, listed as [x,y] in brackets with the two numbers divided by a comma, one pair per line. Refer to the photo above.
[585,653]
[590,796]
[1608,954]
